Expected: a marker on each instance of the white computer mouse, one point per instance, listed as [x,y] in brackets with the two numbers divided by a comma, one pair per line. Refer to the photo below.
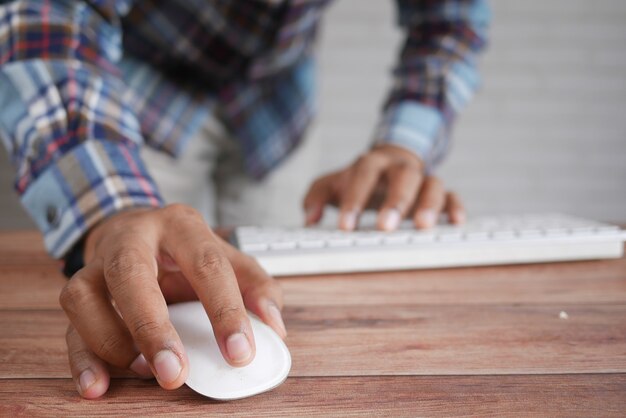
[210,375]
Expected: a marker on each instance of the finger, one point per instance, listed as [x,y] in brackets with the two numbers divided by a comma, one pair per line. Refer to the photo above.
[213,280]
[195,250]
[131,277]
[260,292]
[87,305]
[364,176]
[454,208]
[429,203]
[176,288]
[88,371]
[404,182]
[317,197]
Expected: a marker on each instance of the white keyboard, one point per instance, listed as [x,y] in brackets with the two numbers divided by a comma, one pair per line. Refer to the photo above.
[480,241]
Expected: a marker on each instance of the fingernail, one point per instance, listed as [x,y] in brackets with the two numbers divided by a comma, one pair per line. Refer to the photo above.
[460,216]
[238,348]
[167,366]
[86,380]
[390,219]
[141,367]
[348,220]
[277,319]
[428,217]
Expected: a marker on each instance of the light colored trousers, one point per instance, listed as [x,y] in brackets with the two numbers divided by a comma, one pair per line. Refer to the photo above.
[210,176]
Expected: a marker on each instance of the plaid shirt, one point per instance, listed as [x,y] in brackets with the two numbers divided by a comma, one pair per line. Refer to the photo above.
[78,99]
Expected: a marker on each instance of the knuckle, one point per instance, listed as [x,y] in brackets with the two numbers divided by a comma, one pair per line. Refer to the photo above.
[227,313]
[146,329]
[110,347]
[361,159]
[378,158]
[125,268]
[179,210]
[434,183]
[125,264]
[72,297]
[209,260]
[365,162]
[409,167]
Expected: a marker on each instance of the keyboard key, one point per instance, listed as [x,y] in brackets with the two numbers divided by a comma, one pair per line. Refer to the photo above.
[608,230]
[286,245]
[535,238]
[530,233]
[339,242]
[556,232]
[451,236]
[477,236]
[367,241]
[396,239]
[311,244]
[504,235]
[421,237]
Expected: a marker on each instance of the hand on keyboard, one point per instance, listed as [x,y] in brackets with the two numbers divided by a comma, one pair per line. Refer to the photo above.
[389,179]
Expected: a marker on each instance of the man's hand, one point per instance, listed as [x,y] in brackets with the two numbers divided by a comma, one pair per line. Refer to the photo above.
[137,262]
[387,178]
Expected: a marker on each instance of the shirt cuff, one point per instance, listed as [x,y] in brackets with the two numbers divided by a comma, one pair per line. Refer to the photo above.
[410,125]
[91,182]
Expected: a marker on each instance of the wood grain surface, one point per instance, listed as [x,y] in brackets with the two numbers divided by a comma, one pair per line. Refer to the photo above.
[398,340]
[485,341]
[398,396]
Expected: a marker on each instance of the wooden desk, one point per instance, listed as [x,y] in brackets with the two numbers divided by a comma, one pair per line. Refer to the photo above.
[483,341]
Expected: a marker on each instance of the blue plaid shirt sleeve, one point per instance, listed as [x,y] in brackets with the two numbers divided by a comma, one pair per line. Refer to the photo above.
[71,137]
[436,74]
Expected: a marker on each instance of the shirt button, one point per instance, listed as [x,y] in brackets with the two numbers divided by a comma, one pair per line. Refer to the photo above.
[52,216]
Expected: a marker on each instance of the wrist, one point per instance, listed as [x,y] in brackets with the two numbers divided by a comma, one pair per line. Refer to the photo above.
[94,235]
[399,153]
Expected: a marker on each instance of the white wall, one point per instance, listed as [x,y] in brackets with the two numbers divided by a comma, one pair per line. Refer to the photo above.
[546,133]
